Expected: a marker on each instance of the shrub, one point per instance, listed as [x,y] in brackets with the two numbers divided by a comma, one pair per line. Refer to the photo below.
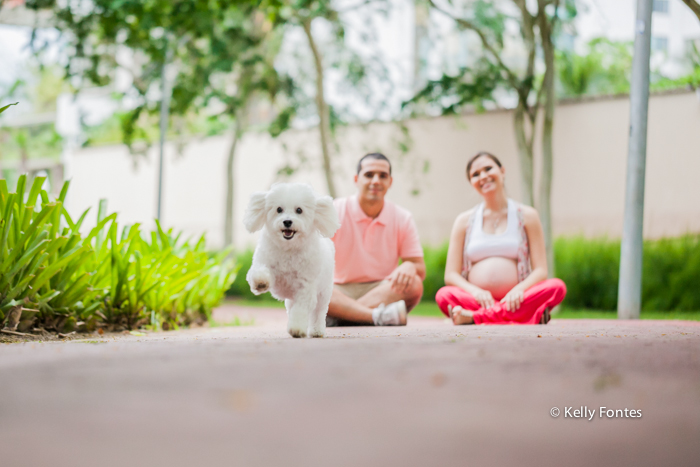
[52,277]
[435,261]
[589,267]
[671,273]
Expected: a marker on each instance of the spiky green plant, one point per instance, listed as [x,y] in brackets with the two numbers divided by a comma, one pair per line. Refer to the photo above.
[38,258]
[53,278]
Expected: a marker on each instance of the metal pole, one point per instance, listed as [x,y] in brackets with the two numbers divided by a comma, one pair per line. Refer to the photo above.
[630,286]
[164,115]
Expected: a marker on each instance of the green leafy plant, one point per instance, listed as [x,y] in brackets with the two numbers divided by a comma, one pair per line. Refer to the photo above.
[54,279]
[605,69]
[590,269]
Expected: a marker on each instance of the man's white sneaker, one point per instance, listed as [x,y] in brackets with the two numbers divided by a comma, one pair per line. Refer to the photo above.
[393,314]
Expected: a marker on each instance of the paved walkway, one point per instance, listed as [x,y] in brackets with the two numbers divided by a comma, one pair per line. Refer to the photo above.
[428,394]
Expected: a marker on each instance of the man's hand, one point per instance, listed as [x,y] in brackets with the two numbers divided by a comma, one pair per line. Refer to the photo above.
[401,278]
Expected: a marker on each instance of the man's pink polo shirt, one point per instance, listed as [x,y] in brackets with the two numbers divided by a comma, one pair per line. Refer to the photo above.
[366,249]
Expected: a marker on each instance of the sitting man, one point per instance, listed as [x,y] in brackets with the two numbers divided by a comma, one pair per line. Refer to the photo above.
[370,286]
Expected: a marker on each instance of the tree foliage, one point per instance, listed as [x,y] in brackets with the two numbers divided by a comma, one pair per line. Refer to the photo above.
[473,85]
[538,25]
[604,69]
[205,41]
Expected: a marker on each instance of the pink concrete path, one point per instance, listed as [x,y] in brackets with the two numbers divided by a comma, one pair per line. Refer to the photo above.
[428,394]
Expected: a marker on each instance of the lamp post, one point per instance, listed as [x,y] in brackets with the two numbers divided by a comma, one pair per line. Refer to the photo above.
[630,286]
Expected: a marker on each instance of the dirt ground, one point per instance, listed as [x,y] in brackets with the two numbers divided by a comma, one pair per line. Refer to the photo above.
[422,395]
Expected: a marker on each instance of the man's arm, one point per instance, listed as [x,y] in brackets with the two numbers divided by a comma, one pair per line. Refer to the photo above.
[419,264]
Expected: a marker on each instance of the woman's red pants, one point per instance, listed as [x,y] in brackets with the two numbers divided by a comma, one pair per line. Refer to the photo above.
[546,294]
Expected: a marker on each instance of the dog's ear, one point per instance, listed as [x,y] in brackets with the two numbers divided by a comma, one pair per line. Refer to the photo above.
[254,217]
[326,218]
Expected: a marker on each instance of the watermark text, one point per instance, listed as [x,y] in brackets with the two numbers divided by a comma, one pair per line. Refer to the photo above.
[588,413]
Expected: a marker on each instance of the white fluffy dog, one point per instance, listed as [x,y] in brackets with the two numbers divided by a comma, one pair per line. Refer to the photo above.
[295,257]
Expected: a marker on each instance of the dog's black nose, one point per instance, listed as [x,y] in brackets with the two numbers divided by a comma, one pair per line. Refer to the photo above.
[287,224]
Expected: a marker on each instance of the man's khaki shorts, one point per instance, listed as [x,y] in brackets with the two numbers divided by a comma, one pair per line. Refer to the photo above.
[355,290]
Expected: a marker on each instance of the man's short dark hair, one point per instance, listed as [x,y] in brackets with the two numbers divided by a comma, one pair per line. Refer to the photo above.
[373,155]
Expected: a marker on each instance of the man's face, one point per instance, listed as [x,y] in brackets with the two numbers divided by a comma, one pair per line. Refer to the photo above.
[374,179]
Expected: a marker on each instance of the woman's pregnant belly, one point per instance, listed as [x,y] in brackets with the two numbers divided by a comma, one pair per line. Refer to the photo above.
[496,274]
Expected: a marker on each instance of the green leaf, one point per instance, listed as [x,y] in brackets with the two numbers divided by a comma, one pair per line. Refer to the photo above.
[2,109]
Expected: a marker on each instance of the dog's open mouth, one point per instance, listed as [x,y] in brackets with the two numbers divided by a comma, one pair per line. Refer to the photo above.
[288,233]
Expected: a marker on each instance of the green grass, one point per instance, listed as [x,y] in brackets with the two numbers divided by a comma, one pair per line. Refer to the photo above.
[431,309]
[427,309]
[598,314]
[267,302]
[235,322]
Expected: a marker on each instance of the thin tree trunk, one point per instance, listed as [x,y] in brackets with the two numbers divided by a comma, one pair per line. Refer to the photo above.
[693,5]
[545,192]
[524,155]
[525,141]
[324,125]
[238,129]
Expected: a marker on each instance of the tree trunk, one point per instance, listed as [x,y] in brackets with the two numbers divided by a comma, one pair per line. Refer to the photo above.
[324,125]
[693,5]
[545,192]
[523,138]
[524,155]
[238,129]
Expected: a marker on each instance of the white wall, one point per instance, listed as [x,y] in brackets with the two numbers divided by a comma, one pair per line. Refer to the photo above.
[590,147]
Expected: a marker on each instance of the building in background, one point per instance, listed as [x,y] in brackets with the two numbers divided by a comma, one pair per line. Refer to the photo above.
[675,29]
[441,47]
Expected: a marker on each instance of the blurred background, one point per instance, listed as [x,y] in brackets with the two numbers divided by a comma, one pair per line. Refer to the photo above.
[248,93]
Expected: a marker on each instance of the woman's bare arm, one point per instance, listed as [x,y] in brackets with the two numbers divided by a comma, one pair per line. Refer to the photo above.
[455,250]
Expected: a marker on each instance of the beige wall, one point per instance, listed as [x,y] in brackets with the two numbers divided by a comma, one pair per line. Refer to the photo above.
[590,143]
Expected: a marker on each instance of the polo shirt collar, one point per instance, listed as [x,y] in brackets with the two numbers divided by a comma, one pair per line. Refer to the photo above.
[358,215]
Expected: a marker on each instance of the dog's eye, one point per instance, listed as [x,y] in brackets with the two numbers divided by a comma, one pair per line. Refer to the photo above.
[279,210]
[298,210]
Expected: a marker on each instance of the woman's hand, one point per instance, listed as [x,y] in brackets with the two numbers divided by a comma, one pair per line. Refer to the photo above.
[513,299]
[484,298]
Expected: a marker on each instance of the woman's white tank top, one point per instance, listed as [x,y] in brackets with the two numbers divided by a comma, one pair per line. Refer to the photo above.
[482,245]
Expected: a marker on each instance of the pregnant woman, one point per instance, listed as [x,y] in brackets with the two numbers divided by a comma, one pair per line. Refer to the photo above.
[496,270]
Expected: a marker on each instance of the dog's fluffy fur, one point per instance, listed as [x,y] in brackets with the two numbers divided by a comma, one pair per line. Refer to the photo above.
[295,257]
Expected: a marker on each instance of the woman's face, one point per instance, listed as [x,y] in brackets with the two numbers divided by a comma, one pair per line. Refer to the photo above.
[486,176]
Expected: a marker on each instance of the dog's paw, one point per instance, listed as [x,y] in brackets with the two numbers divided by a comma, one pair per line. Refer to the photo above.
[317,333]
[261,287]
[296,332]
[259,282]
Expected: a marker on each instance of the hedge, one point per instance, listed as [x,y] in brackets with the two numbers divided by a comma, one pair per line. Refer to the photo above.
[670,274]
[590,269]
